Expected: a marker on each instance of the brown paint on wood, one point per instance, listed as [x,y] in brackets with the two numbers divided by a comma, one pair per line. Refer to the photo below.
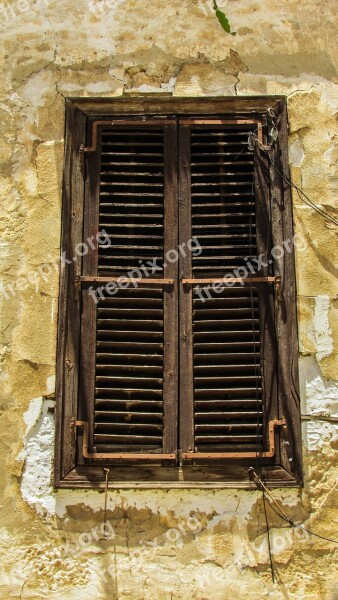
[69,306]
[186,421]
[170,383]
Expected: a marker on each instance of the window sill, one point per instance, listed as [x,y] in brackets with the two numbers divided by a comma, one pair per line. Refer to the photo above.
[146,477]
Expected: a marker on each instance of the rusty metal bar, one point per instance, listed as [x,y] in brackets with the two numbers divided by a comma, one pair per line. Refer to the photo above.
[114,455]
[218,121]
[226,122]
[96,124]
[232,280]
[218,455]
[123,279]
[92,148]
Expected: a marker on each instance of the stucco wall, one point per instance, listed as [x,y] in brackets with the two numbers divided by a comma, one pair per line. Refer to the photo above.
[167,544]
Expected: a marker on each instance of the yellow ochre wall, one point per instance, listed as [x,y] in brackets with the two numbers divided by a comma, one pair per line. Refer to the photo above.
[167,544]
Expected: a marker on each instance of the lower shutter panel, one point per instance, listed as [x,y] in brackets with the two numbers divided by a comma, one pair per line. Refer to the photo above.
[129,371]
[227,376]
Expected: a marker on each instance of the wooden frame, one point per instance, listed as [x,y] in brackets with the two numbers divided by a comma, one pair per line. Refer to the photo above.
[80,115]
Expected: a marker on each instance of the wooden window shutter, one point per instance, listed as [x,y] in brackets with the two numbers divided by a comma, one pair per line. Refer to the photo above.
[169,375]
[232,396]
[128,384]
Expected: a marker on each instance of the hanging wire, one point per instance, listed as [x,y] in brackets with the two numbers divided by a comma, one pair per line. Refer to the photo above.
[105,498]
[252,141]
[280,512]
[258,444]
[269,541]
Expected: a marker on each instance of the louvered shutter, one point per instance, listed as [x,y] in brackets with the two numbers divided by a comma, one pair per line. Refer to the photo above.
[227,334]
[129,382]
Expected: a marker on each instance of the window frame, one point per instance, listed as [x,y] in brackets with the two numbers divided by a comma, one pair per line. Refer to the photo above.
[80,114]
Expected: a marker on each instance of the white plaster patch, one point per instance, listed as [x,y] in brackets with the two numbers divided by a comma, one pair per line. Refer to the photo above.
[50,384]
[296,153]
[320,434]
[170,86]
[323,333]
[319,395]
[99,88]
[319,399]
[37,453]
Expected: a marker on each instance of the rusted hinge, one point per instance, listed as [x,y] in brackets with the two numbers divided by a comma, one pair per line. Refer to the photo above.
[77,288]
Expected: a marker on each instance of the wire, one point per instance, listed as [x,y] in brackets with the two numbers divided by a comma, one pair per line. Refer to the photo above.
[301,526]
[304,197]
[269,541]
[280,511]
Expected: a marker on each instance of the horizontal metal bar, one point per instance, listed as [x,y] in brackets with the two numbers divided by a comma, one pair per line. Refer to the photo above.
[122,279]
[117,122]
[115,455]
[232,280]
[226,122]
[219,455]
[218,121]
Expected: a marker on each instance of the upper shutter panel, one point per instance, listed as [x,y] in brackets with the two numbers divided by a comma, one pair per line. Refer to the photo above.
[131,198]
[222,199]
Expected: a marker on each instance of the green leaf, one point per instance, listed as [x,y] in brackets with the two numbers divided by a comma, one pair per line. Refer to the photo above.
[223,20]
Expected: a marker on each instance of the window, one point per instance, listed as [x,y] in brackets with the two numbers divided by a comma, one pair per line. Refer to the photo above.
[177,342]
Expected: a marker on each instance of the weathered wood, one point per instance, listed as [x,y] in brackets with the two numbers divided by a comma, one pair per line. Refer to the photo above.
[277,218]
[170,366]
[142,105]
[286,310]
[69,306]
[268,353]
[209,476]
[187,435]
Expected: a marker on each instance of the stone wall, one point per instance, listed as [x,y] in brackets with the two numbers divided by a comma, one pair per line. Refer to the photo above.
[170,544]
